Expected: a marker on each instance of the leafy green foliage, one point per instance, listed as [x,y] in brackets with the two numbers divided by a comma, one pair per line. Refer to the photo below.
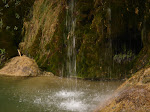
[12,14]
[126,57]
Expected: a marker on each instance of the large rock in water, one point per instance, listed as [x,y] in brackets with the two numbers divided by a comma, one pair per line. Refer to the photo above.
[132,96]
[20,66]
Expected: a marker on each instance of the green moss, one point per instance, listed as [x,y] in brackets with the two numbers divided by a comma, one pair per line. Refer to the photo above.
[95,56]
[47,47]
[43,8]
[33,50]
[57,56]
[54,5]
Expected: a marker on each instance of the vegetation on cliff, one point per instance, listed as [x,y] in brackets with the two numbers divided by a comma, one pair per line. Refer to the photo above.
[12,15]
[43,38]
[112,37]
[91,39]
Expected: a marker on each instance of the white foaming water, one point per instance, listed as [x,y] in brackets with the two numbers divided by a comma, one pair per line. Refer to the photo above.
[37,100]
[66,94]
[73,105]
[71,101]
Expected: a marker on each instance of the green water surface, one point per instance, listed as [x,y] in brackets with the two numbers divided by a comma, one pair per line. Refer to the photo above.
[53,94]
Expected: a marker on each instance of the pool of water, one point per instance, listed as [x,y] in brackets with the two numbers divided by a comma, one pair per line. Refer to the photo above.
[53,94]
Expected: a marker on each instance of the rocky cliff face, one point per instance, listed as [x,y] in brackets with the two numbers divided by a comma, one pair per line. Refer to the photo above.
[112,37]
[43,34]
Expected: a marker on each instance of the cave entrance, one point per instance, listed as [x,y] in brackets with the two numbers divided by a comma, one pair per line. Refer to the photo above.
[128,41]
[126,46]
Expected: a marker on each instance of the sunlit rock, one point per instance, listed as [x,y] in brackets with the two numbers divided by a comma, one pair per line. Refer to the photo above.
[132,96]
[21,66]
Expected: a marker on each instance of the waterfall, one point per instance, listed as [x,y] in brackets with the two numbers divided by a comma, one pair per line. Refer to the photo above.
[71,38]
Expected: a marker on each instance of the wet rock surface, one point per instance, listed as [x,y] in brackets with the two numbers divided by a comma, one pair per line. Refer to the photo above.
[132,96]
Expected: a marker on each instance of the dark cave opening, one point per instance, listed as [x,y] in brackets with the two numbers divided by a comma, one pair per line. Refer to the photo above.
[129,41]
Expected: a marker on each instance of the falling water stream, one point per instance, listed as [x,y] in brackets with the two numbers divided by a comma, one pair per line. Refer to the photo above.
[71,38]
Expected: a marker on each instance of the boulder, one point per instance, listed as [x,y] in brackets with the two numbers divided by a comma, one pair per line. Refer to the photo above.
[21,66]
[132,96]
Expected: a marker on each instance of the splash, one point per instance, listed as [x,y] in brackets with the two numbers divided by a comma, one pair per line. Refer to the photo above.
[67,94]
[74,105]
